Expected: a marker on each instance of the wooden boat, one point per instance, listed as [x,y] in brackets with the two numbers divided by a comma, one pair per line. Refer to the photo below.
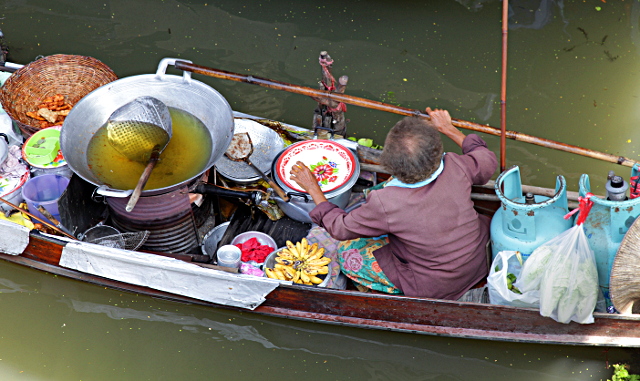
[282,299]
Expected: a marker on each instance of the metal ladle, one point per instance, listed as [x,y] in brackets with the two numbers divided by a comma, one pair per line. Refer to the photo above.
[140,130]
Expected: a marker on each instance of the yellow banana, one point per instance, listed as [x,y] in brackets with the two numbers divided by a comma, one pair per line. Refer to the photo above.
[280,266]
[270,273]
[274,273]
[316,254]
[289,273]
[283,261]
[320,262]
[296,277]
[310,271]
[315,280]
[305,245]
[313,248]
[299,249]
[304,277]
[286,254]
[318,269]
[281,274]
[292,248]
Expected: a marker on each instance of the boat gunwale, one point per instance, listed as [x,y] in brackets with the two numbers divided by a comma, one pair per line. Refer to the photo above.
[436,317]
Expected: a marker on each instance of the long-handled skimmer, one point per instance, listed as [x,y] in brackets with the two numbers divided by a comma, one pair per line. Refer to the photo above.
[140,130]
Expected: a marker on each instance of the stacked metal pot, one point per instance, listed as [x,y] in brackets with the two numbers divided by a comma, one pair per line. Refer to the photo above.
[337,192]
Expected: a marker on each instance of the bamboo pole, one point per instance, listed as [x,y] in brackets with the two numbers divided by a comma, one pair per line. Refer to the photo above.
[503,87]
[375,105]
[38,219]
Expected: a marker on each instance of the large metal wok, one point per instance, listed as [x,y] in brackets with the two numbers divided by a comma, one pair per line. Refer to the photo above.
[181,92]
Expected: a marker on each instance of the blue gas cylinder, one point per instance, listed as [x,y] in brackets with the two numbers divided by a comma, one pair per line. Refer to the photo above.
[606,224]
[523,225]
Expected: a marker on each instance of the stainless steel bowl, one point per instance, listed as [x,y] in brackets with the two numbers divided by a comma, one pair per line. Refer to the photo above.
[212,239]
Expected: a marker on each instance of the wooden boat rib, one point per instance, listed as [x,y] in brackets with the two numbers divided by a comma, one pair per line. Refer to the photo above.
[379,311]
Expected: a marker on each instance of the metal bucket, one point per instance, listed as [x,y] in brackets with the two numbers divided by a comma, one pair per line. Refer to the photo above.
[180,92]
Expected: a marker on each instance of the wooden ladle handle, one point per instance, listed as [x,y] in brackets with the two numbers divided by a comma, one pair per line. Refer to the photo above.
[133,200]
[272,183]
[279,191]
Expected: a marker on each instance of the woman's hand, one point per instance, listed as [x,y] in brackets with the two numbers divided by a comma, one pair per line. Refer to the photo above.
[442,121]
[303,176]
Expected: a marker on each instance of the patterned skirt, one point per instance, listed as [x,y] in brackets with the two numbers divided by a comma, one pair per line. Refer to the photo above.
[358,263]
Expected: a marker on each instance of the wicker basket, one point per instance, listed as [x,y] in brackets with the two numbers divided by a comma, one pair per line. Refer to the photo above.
[70,75]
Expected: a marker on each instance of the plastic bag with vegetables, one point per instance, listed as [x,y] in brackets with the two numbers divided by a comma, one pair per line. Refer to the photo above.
[564,271]
[505,270]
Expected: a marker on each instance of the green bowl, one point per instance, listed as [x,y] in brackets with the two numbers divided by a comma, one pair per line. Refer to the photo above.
[42,147]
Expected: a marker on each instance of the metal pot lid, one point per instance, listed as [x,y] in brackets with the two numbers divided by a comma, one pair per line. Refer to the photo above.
[266,145]
[333,164]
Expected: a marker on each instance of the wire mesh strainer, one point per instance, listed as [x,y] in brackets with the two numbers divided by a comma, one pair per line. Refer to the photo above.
[127,241]
[140,130]
[139,127]
[109,236]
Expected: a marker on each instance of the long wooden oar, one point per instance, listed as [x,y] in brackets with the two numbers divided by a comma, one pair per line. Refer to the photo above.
[375,105]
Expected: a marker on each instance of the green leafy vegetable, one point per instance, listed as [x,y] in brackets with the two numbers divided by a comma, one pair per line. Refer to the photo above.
[621,373]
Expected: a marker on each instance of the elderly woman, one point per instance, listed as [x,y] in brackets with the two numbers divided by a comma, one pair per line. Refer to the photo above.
[418,235]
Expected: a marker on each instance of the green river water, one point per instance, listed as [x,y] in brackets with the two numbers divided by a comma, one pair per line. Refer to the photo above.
[573,67]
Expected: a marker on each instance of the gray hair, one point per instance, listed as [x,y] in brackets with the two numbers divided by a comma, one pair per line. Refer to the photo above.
[412,150]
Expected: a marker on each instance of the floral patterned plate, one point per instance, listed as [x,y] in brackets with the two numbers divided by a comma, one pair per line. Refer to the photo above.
[332,163]
[10,188]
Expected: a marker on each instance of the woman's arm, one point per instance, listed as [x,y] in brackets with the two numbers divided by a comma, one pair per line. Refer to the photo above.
[365,221]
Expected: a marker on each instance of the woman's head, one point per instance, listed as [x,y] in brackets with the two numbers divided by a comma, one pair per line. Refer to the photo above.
[412,150]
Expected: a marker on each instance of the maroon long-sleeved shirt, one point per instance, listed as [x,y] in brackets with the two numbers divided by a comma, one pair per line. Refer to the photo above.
[436,239]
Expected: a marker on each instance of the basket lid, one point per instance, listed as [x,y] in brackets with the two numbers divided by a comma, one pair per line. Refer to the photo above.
[332,164]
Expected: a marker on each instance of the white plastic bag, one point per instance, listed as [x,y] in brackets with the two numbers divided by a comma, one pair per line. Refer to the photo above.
[509,262]
[564,271]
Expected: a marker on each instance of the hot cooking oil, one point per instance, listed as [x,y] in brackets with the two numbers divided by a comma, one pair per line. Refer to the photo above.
[186,155]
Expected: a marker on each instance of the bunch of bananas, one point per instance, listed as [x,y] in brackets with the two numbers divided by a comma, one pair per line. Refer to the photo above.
[300,263]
